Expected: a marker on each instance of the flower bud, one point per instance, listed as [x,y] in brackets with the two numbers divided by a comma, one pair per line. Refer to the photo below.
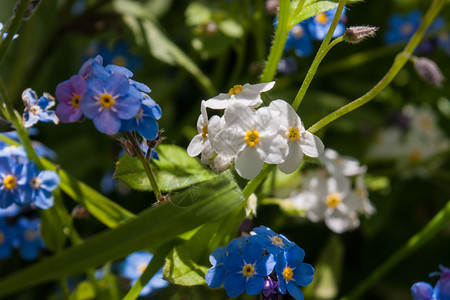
[272,6]
[80,212]
[128,147]
[356,34]
[32,6]
[428,71]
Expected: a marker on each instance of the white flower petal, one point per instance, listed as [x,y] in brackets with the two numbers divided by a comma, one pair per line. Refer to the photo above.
[248,163]
[317,209]
[267,120]
[214,126]
[311,144]
[338,184]
[241,115]
[340,222]
[195,146]
[272,149]
[246,98]
[229,141]
[259,87]
[220,101]
[288,116]
[293,159]
[200,124]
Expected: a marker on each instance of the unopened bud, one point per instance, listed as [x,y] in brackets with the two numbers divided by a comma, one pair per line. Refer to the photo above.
[428,71]
[159,138]
[272,6]
[128,147]
[80,212]
[356,34]
[32,6]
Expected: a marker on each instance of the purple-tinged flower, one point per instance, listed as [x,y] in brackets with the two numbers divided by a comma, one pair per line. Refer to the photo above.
[246,271]
[216,275]
[86,69]
[12,181]
[424,291]
[69,95]
[8,234]
[292,272]
[108,102]
[320,24]
[274,243]
[144,122]
[270,288]
[133,267]
[401,28]
[38,109]
[30,240]
[41,185]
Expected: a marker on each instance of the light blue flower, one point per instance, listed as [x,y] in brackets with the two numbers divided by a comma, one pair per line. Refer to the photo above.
[8,235]
[273,243]
[40,185]
[402,27]
[320,24]
[144,122]
[292,272]
[11,211]
[246,271]
[30,241]
[299,39]
[12,182]
[133,267]
[38,109]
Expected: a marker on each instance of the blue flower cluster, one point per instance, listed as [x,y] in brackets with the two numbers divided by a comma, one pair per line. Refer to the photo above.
[265,262]
[108,96]
[133,267]
[21,182]
[301,36]
[23,235]
[424,291]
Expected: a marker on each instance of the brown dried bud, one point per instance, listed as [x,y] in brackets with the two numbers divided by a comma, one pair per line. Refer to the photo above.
[80,212]
[154,143]
[428,71]
[128,147]
[356,34]
[32,6]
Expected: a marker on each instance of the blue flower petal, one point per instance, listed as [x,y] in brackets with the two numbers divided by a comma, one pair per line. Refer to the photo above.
[233,262]
[215,276]
[294,291]
[303,274]
[234,285]
[422,291]
[254,285]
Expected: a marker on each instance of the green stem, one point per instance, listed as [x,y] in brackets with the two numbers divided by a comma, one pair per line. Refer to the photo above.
[145,164]
[297,11]
[253,184]
[400,60]
[5,28]
[12,30]
[323,50]
[414,243]
[278,44]
[64,289]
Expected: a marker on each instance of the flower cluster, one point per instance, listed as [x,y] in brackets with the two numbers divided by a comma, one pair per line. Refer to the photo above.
[329,195]
[250,137]
[37,109]
[301,36]
[416,143]
[133,267]
[264,262]
[108,96]
[22,183]
[424,291]
[24,234]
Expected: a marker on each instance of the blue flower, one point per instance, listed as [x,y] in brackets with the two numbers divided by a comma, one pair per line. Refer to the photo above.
[8,234]
[320,24]
[292,272]
[216,275]
[133,267]
[287,65]
[144,122]
[6,34]
[120,55]
[274,243]
[246,271]
[11,211]
[108,102]
[299,39]
[12,182]
[401,28]
[30,241]
[443,41]
[424,291]
[41,185]
[86,69]
[38,109]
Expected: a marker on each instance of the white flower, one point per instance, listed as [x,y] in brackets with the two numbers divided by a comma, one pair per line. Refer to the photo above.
[252,138]
[298,139]
[386,145]
[328,199]
[207,129]
[341,165]
[249,95]
[361,194]
[422,120]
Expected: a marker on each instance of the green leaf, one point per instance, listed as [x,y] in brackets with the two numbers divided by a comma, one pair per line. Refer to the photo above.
[231,28]
[174,170]
[328,270]
[197,14]
[84,291]
[314,7]
[181,270]
[52,229]
[213,199]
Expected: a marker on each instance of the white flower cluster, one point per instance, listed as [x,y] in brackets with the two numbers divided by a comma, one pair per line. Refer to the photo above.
[328,194]
[249,136]
[417,148]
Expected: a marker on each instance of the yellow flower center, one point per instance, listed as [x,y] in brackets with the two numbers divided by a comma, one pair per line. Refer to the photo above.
[142,267]
[293,134]
[204,131]
[76,100]
[10,182]
[235,89]
[29,235]
[120,61]
[415,156]
[406,29]
[252,138]
[248,270]
[333,200]
[2,238]
[277,241]
[106,100]
[322,18]
[287,273]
